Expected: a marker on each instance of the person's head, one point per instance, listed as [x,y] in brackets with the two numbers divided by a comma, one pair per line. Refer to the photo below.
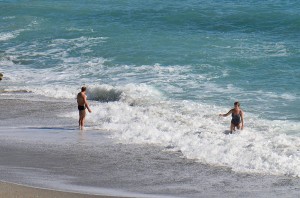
[83,89]
[236,104]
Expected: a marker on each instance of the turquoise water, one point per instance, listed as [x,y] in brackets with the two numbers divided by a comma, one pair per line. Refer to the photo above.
[178,62]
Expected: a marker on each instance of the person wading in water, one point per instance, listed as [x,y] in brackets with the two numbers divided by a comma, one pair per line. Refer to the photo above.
[237,120]
[82,105]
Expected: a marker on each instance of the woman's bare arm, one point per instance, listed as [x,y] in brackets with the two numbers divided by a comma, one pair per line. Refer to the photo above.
[224,115]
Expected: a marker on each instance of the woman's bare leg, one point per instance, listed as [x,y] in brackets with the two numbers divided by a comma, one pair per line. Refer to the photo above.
[232,127]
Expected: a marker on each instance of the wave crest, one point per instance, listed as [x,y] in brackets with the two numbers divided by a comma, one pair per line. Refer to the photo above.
[104,94]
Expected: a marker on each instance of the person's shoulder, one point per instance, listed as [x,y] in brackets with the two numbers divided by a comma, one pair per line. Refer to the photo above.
[81,95]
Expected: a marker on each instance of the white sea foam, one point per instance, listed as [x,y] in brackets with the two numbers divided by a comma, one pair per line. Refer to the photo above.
[71,29]
[198,135]
[4,36]
[140,113]
[198,132]
[7,61]
[261,49]
[8,17]
[57,91]
[79,42]
[288,96]
[272,95]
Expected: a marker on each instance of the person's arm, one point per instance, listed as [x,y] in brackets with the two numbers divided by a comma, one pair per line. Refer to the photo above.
[224,115]
[242,118]
[86,104]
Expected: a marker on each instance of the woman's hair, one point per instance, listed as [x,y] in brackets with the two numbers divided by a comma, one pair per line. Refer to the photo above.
[83,89]
[237,103]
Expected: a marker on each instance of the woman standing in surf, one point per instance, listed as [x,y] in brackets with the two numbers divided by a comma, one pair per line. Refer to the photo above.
[237,120]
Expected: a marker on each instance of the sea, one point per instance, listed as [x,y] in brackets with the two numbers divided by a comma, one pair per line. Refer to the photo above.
[159,73]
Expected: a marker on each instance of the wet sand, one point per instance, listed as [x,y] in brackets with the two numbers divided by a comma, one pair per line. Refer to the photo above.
[22,113]
[16,115]
[9,190]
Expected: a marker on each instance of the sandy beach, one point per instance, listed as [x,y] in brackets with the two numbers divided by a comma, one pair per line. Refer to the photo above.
[18,109]
[9,190]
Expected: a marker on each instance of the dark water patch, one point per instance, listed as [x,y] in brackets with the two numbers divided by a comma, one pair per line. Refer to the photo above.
[104,95]
[14,91]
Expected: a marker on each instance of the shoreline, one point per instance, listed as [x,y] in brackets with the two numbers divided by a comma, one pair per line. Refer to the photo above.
[8,189]
[45,152]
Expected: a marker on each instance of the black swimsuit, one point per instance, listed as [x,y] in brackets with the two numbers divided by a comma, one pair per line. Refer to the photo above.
[81,108]
[236,119]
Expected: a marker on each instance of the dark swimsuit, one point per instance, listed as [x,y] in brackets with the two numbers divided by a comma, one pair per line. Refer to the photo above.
[81,108]
[236,119]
